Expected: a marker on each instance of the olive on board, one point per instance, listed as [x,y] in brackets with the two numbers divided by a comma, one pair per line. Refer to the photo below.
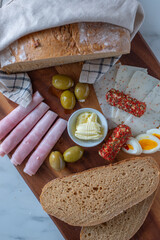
[73,154]
[56,161]
[68,100]
[81,91]
[62,82]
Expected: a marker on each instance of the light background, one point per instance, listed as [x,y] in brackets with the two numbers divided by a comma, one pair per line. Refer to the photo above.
[21,216]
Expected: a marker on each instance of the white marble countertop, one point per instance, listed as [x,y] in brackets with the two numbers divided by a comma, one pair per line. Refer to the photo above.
[21,216]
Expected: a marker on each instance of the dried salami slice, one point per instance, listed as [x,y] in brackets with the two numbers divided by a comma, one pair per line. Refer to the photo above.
[115,142]
[125,102]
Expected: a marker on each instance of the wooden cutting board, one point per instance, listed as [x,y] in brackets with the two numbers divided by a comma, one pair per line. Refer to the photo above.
[140,56]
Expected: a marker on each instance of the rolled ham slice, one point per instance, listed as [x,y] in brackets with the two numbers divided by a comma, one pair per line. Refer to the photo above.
[23,128]
[2,154]
[33,138]
[14,117]
[44,148]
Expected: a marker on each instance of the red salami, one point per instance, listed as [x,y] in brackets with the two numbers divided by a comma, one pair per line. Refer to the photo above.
[113,145]
[125,102]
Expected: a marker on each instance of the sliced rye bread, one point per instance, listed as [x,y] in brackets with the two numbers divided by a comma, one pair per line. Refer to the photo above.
[97,195]
[121,227]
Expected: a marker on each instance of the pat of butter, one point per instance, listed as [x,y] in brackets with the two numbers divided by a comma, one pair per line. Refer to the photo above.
[87,127]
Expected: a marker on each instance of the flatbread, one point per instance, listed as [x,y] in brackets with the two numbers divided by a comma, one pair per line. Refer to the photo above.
[151,118]
[153,99]
[101,87]
[123,77]
[140,85]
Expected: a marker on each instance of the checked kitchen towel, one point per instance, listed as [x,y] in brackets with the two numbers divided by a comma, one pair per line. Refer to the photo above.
[16,87]
[93,70]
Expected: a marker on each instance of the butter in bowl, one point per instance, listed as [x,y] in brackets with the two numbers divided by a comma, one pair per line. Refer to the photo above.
[87,127]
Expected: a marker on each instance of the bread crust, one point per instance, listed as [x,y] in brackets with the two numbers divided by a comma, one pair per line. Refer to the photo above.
[154,165]
[65,44]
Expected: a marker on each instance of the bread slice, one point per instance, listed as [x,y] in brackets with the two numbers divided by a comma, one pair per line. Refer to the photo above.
[121,227]
[99,194]
[65,44]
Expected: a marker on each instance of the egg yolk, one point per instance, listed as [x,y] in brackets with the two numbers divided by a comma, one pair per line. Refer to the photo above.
[130,146]
[156,135]
[148,144]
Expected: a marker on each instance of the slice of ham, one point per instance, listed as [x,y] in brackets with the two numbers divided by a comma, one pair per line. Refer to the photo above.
[2,154]
[33,138]
[44,148]
[23,128]
[14,117]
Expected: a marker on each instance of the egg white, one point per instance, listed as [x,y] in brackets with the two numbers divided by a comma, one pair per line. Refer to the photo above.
[154,131]
[137,150]
[149,137]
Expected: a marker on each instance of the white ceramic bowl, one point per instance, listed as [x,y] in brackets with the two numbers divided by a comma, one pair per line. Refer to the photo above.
[72,125]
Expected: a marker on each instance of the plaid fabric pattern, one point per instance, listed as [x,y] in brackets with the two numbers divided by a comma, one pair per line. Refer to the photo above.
[93,70]
[16,87]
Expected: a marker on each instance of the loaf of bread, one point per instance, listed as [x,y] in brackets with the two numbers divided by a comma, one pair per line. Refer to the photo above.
[99,194]
[121,227]
[65,44]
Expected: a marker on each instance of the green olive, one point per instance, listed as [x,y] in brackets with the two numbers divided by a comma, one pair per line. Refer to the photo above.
[81,91]
[68,100]
[73,154]
[56,161]
[62,82]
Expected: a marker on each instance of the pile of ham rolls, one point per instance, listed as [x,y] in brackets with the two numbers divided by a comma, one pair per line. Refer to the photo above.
[30,127]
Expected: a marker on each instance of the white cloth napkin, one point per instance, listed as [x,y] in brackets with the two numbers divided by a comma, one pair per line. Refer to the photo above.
[21,17]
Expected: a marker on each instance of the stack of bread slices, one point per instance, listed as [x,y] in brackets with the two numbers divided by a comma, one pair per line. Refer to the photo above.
[109,202]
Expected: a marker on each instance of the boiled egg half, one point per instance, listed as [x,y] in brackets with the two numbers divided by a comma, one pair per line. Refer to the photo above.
[155,132]
[149,143]
[132,146]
